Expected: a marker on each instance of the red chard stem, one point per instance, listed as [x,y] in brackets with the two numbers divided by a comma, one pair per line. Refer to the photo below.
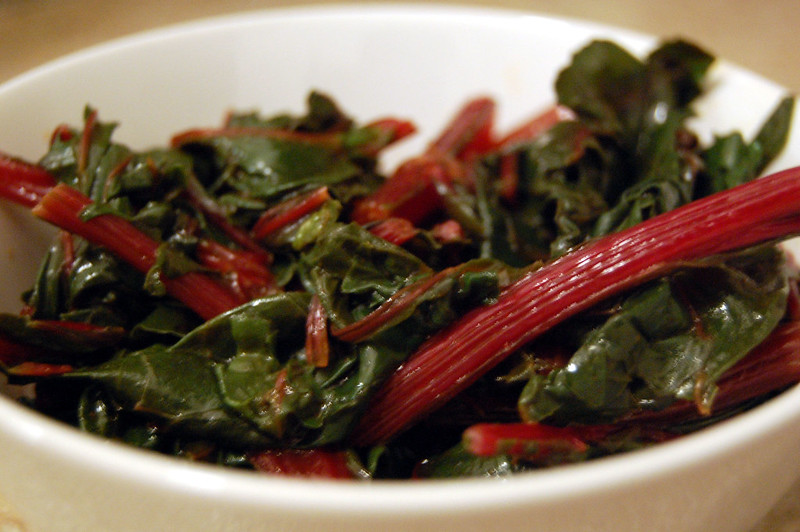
[529,440]
[534,127]
[317,346]
[22,182]
[289,211]
[473,120]
[309,463]
[62,206]
[758,211]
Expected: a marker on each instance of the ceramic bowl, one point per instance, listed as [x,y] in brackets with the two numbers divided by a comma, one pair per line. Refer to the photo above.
[413,61]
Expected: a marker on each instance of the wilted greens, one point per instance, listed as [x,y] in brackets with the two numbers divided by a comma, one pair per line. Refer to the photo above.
[246,295]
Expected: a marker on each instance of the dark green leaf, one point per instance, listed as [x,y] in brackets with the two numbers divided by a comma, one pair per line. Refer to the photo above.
[671,340]
[773,134]
[353,271]
[96,414]
[179,391]
[48,293]
[263,167]
[731,161]
[60,341]
[458,462]
[606,86]
[165,324]
[676,71]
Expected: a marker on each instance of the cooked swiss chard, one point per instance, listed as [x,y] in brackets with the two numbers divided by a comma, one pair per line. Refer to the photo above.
[260,295]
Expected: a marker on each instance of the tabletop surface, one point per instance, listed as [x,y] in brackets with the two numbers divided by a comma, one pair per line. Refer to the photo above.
[759,35]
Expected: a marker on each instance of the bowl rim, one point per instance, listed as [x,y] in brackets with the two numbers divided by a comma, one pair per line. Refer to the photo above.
[348,9]
[218,484]
[379,497]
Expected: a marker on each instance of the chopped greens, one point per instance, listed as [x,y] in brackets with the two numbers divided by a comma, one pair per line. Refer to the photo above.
[261,295]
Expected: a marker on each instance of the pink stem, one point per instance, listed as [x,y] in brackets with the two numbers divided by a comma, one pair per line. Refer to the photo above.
[453,359]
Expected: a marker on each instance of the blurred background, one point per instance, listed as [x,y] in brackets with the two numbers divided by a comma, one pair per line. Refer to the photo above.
[760,35]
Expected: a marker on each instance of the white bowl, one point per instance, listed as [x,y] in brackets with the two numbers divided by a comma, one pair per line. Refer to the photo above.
[417,62]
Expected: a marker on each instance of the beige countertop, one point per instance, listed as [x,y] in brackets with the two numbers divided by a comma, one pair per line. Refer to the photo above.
[760,35]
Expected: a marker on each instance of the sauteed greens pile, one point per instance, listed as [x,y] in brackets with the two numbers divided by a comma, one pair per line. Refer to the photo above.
[252,294]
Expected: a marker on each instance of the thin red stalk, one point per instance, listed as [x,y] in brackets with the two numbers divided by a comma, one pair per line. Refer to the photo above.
[22,182]
[398,231]
[225,259]
[62,207]
[216,214]
[68,245]
[331,140]
[86,141]
[113,174]
[317,346]
[278,392]
[391,308]
[411,191]
[536,126]
[509,176]
[544,444]
[39,369]
[395,129]
[311,463]
[793,304]
[453,359]
[529,440]
[13,353]
[387,132]
[448,231]
[62,133]
[289,212]
[476,116]
[87,334]
[245,271]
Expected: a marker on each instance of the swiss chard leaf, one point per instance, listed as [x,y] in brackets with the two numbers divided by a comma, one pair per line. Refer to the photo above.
[268,325]
[458,462]
[323,114]
[242,378]
[165,324]
[94,287]
[262,167]
[183,387]
[641,202]
[774,132]
[353,271]
[617,94]
[638,109]
[567,178]
[667,341]
[605,84]
[47,295]
[178,391]
[731,161]
[619,162]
